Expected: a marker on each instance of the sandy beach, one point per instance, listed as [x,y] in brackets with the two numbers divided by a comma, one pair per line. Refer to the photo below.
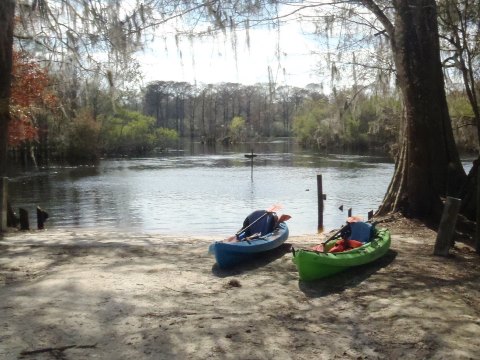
[95,294]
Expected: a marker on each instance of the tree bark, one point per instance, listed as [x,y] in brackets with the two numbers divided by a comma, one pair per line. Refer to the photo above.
[429,166]
[7,11]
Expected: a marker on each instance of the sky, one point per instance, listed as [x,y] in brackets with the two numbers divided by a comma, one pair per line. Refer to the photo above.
[213,60]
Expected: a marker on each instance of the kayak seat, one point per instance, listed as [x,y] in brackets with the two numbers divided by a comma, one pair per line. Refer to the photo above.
[361,231]
[263,226]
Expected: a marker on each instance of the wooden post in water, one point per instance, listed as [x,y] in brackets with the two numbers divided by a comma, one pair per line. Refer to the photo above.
[3,203]
[42,216]
[320,198]
[251,156]
[349,212]
[370,215]
[12,219]
[24,223]
[447,226]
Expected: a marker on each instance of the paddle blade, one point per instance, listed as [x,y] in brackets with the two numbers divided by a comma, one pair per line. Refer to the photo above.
[319,248]
[232,238]
[284,218]
[275,208]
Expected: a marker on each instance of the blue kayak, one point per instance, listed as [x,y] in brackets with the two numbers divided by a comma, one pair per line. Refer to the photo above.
[261,235]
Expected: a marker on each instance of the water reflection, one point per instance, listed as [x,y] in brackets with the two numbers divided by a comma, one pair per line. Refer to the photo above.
[205,191]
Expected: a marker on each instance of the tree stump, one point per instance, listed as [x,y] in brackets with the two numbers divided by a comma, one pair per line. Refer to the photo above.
[24,223]
[12,218]
[447,226]
[42,216]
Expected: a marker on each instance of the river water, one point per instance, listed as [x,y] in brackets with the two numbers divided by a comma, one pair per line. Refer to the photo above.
[198,190]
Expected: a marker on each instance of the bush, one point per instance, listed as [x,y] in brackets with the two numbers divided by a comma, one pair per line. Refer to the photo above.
[237,129]
[82,138]
[132,133]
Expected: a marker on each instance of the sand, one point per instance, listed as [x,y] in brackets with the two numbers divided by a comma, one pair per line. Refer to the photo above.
[96,294]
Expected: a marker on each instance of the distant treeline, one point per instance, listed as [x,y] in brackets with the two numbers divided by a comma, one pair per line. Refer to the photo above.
[86,123]
[349,119]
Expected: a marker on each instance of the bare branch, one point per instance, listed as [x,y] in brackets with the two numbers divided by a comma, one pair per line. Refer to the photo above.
[380,15]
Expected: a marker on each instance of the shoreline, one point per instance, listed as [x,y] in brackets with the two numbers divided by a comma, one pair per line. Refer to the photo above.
[89,293]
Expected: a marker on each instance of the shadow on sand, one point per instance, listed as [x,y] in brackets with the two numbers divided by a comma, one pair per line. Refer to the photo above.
[347,279]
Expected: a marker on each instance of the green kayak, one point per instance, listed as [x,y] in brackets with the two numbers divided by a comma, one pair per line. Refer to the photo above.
[314,265]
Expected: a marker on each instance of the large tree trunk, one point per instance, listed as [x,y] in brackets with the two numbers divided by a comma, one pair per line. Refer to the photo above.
[7,10]
[428,166]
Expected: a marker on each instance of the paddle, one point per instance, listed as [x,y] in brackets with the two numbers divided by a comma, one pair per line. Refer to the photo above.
[270,210]
[322,248]
[349,221]
[282,218]
[334,236]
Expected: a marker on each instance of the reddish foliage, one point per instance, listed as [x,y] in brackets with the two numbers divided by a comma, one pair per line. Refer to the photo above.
[29,91]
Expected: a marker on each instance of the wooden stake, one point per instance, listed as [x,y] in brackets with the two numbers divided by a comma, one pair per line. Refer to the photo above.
[251,156]
[24,223]
[320,199]
[370,215]
[12,218]
[42,216]
[446,228]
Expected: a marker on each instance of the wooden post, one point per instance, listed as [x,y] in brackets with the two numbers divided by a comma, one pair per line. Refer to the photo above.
[251,156]
[42,216]
[12,219]
[349,212]
[3,203]
[446,228]
[370,215]
[24,223]
[477,240]
[320,198]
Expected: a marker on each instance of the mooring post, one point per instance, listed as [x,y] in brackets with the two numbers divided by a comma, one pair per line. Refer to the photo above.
[24,223]
[446,228]
[42,216]
[251,156]
[320,198]
[12,218]
[3,203]
[370,215]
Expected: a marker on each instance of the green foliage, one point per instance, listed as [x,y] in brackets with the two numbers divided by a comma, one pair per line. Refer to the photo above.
[312,125]
[459,107]
[165,137]
[237,129]
[374,121]
[129,132]
[463,121]
[83,137]
[358,123]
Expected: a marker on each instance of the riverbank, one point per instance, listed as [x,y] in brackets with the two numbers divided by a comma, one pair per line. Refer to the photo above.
[78,294]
